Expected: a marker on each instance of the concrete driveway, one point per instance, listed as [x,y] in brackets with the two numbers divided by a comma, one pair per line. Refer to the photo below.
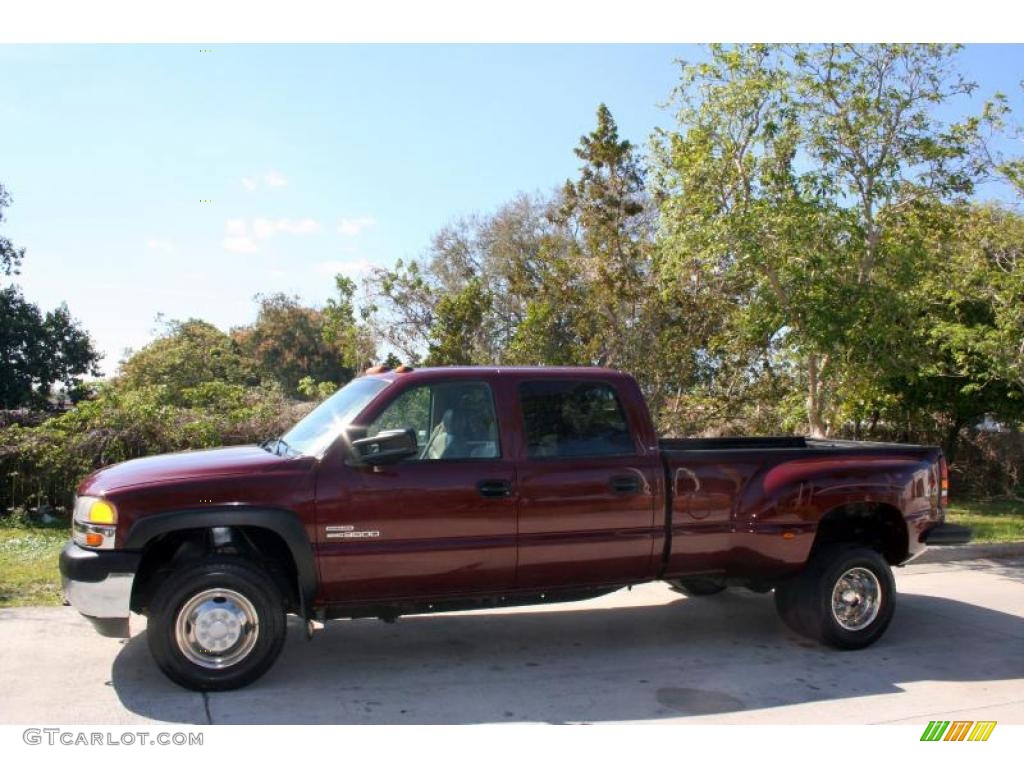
[955,650]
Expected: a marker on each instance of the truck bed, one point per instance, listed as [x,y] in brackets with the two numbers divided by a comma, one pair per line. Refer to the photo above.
[747,506]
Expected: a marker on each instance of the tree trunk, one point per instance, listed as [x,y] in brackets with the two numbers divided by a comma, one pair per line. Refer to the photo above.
[815,422]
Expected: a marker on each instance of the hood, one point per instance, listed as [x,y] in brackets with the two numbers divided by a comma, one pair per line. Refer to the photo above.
[216,462]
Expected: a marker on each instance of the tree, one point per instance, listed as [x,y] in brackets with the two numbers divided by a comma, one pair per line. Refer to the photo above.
[10,257]
[401,307]
[289,341]
[187,355]
[560,279]
[37,350]
[351,338]
[484,268]
[457,333]
[790,165]
[974,331]
[605,209]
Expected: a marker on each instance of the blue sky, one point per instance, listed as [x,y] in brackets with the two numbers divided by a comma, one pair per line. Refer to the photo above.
[315,159]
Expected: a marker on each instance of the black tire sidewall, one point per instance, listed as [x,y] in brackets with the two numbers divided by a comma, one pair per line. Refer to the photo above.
[787,596]
[225,573]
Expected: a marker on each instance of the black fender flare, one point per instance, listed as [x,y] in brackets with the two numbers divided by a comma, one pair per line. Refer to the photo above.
[284,523]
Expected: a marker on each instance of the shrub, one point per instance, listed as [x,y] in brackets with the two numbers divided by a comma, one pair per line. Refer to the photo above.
[44,463]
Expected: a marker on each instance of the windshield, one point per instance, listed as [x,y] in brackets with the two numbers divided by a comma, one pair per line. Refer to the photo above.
[323,424]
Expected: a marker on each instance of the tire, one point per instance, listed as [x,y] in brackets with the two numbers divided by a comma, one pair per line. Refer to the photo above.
[699,586]
[845,598]
[238,627]
[785,604]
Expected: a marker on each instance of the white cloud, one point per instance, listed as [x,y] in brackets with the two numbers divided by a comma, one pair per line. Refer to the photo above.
[264,228]
[241,236]
[235,227]
[162,246]
[275,179]
[268,179]
[239,244]
[352,227]
[349,267]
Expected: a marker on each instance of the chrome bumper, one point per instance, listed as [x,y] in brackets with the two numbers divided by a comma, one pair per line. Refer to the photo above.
[107,599]
[99,585]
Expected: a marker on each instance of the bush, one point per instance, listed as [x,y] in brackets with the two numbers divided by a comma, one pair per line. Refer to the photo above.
[989,464]
[44,463]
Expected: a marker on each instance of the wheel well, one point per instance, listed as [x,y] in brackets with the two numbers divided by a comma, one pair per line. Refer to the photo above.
[168,551]
[876,525]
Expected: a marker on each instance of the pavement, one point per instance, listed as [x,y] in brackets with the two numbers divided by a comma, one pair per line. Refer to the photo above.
[955,650]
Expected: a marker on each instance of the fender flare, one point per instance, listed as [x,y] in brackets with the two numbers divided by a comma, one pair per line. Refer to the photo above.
[284,523]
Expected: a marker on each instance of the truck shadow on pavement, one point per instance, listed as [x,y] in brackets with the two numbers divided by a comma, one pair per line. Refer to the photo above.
[584,663]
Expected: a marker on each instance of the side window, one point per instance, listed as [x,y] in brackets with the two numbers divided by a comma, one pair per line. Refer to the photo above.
[454,420]
[410,410]
[573,418]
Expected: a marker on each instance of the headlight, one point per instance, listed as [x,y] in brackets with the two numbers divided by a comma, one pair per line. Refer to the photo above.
[94,523]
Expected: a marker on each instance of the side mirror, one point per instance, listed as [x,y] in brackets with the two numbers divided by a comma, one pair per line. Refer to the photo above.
[386,447]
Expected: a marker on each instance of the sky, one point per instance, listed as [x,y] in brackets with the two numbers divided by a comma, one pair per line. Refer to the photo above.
[182,181]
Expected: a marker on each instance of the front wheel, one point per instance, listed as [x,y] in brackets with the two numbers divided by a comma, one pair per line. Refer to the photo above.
[217,624]
[845,597]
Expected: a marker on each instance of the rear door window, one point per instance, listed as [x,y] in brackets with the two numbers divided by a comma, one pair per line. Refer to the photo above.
[573,418]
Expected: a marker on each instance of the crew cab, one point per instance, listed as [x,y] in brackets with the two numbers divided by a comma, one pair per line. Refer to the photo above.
[435,489]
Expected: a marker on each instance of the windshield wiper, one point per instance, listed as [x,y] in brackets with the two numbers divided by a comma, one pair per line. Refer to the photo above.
[275,444]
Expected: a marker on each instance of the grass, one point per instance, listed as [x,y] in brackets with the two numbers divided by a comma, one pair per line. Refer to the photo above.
[28,564]
[28,553]
[991,521]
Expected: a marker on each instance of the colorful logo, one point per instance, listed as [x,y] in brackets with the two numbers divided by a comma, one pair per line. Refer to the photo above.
[958,730]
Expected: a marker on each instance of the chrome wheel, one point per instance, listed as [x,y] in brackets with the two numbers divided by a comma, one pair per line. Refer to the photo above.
[216,628]
[856,598]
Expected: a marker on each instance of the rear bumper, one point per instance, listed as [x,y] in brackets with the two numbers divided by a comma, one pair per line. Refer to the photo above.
[98,583]
[946,534]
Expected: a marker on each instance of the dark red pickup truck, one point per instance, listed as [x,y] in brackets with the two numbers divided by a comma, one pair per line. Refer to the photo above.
[412,491]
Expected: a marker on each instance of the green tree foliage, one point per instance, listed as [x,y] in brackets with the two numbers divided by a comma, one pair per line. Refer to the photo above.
[345,330]
[789,166]
[289,341]
[456,337]
[187,355]
[604,207]
[38,351]
[973,331]
[490,267]
[10,257]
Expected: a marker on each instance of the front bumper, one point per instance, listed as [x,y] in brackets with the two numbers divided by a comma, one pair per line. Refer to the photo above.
[946,534]
[99,584]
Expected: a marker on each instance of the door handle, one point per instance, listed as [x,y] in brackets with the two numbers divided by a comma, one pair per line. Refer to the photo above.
[494,489]
[625,484]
